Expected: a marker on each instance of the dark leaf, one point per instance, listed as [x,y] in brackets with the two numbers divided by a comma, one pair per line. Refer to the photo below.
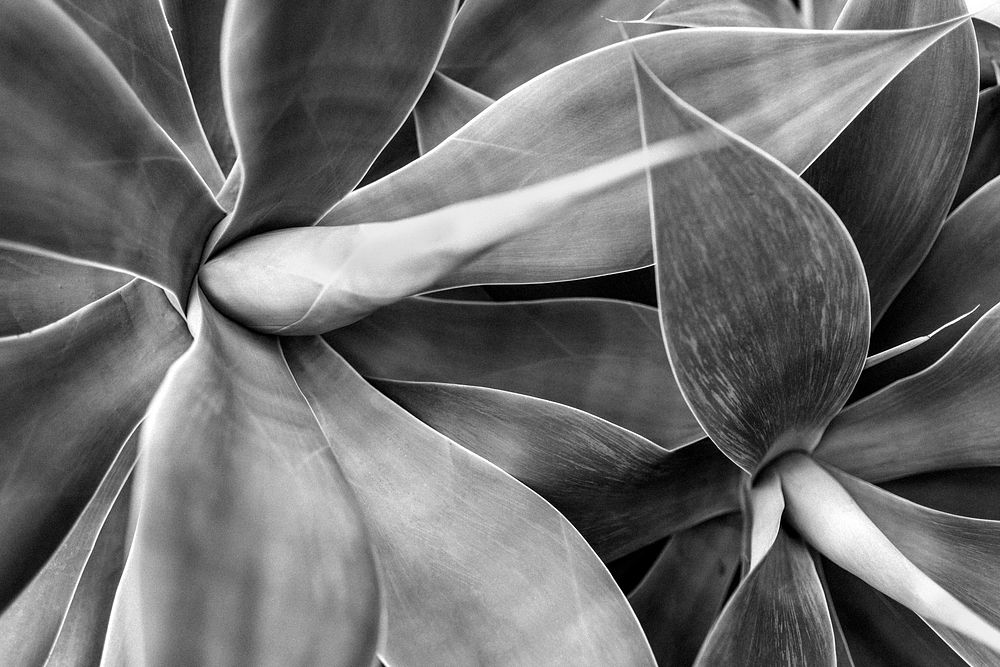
[723,13]
[983,164]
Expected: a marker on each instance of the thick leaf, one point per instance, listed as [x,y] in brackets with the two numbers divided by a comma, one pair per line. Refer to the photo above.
[30,626]
[763,507]
[790,92]
[476,568]
[723,13]
[496,45]
[444,108]
[87,173]
[961,554]
[314,91]
[983,164]
[135,36]
[777,616]
[70,395]
[249,546]
[822,14]
[604,357]
[684,591]
[910,142]
[36,290]
[618,489]
[762,295]
[196,27]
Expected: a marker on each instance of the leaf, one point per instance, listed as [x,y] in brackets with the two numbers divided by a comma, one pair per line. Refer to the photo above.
[959,553]
[988,41]
[843,650]
[496,45]
[944,417]
[790,92]
[476,568]
[902,348]
[983,164]
[966,491]
[724,13]
[763,507]
[444,108]
[911,143]
[249,546]
[618,489]
[679,599]
[33,624]
[314,92]
[785,324]
[36,290]
[70,395]
[823,14]
[196,28]
[600,356]
[777,616]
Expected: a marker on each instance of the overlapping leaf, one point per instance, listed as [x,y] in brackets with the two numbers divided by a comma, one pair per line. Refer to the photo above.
[983,164]
[725,13]
[476,567]
[445,106]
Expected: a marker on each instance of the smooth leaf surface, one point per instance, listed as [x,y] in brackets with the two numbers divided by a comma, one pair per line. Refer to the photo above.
[249,545]
[944,417]
[823,13]
[988,40]
[785,323]
[313,92]
[777,616]
[973,492]
[726,13]
[983,164]
[36,290]
[618,489]
[476,568]
[604,357]
[910,142]
[683,592]
[445,106]
[34,621]
[843,649]
[87,173]
[70,395]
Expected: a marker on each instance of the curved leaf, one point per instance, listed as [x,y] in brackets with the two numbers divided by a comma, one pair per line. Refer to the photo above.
[313,92]
[249,547]
[777,616]
[910,142]
[36,290]
[823,14]
[604,357]
[683,592]
[477,569]
[618,489]
[723,13]
[443,109]
[70,395]
[988,41]
[87,173]
[966,491]
[943,417]
[983,164]
[762,295]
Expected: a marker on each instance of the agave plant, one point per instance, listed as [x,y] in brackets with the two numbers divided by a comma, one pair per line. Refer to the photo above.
[192,476]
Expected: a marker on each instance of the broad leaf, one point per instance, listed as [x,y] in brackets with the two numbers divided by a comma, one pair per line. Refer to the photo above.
[36,290]
[724,13]
[970,492]
[678,600]
[314,91]
[249,547]
[618,489]
[777,616]
[944,417]
[910,142]
[476,568]
[87,173]
[443,109]
[983,164]
[70,395]
[762,295]
[604,357]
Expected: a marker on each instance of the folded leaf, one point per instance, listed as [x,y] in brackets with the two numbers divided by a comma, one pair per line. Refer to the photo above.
[87,173]
[314,91]
[910,142]
[445,106]
[604,357]
[823,14]
[679,599]
[476,568]
[983,164]
[944,417]
[777,616]
[618,489]
[762,295]
[724,13]
[70,395]
[763,507]
[36,620]
[249,546]
[36,290]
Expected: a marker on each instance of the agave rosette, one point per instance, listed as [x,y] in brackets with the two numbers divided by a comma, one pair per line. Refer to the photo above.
[285,510]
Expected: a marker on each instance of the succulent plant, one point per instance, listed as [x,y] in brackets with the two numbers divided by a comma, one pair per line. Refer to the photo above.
[251,414]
